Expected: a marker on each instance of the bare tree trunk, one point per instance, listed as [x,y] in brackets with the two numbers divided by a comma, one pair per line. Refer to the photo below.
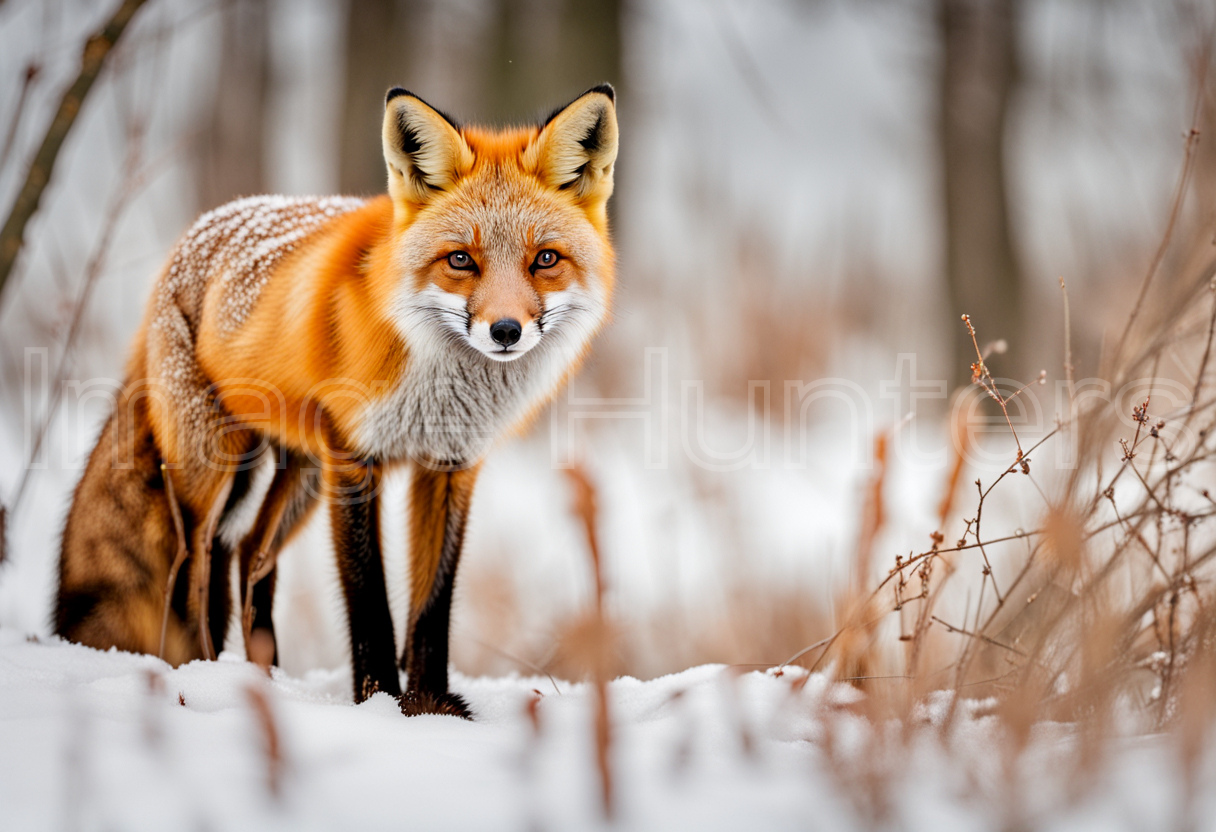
[979,72]
[537,54]
[593,45]
[380,40]
[542,54]
[230,159]
[511,67]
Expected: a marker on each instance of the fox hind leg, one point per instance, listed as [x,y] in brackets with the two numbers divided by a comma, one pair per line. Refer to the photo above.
[291,497]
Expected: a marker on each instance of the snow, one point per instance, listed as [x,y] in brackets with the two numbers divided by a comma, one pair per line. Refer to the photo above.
[92,740]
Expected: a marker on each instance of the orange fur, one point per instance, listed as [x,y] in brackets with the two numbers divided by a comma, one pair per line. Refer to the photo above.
[421,326]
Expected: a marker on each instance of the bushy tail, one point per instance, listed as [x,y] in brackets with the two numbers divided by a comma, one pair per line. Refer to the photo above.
[118,546]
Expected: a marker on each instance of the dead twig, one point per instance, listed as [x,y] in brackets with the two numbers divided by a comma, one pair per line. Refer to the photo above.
[202,568]
[32,71]
[1069,369]
[1180,191]
[96,49]
[183,550]
[259,704]
[986,639]
[533,666]
[136,177]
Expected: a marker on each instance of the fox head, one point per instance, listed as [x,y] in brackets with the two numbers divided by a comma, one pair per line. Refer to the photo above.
[502,236]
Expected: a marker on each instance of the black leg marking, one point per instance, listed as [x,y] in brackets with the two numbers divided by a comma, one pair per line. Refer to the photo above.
[356,529]
[263,606]
[219,601]
[439,506]
[426,688]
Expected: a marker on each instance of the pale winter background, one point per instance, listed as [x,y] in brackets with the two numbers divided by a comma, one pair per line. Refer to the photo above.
[809,195]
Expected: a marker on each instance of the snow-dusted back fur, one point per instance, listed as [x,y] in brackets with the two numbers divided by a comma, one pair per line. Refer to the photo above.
[224,261]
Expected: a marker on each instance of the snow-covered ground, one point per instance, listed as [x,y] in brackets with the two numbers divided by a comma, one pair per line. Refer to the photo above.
[92,740]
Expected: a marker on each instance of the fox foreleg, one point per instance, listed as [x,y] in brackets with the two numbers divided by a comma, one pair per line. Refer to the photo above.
[439,510]
[352,489]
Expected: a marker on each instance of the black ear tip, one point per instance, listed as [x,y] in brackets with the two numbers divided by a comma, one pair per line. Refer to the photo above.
[602,89]
[396,92]
[606,89]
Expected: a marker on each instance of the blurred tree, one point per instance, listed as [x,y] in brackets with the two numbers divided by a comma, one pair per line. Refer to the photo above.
[380,40]
[978,75]
[230,158]
[542,54]
[530,56]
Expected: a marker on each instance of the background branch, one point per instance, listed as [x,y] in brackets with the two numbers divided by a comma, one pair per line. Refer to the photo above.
[96,49]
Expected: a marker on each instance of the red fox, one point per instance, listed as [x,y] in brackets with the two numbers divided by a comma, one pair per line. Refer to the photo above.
[343,337]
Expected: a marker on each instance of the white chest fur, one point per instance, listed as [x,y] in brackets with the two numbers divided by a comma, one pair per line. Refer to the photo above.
[453,403]
[451,409]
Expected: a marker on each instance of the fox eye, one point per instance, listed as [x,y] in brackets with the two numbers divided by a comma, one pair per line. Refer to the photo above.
[547,259]
[460,260]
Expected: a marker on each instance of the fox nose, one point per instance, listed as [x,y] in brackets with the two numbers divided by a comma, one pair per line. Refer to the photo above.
[506,332]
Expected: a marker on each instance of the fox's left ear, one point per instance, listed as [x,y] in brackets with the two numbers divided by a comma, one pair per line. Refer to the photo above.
[576,148]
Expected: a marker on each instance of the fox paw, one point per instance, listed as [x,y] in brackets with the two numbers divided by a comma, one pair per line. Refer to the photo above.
[415,702]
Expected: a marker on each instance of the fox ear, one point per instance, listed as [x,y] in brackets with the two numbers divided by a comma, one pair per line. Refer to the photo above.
[576,148]
[423,149]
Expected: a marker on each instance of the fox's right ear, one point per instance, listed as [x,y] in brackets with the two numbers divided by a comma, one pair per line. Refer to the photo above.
[423,149]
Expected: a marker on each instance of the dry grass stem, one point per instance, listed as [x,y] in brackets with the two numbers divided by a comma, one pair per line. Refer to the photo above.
[263,713]
[595,637]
